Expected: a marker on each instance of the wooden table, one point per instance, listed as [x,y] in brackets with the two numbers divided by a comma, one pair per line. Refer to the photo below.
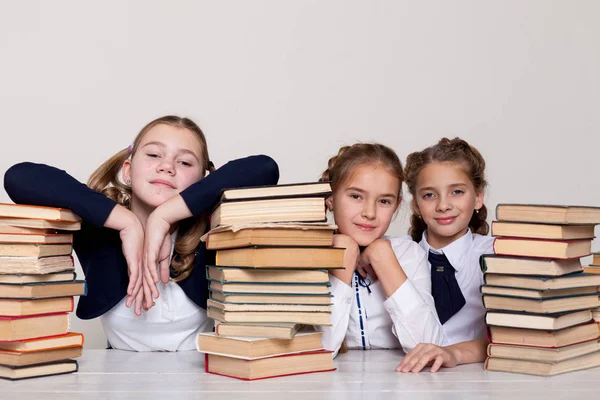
[113,374]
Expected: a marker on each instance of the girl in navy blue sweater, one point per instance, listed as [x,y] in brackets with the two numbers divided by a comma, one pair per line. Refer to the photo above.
[144,211]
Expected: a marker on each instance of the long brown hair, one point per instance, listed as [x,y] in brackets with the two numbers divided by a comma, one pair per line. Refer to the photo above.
[447,150]
[106,180]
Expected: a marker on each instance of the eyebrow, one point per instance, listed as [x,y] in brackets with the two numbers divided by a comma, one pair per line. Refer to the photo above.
[359,190]
[179,150]
[431,188]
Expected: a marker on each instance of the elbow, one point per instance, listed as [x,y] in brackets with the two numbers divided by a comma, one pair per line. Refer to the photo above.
[270,169]
[13,177]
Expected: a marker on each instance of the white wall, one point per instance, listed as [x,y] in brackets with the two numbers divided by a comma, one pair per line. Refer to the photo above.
[297,79]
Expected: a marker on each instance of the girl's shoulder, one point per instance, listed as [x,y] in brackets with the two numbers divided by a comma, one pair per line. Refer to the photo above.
[483,244]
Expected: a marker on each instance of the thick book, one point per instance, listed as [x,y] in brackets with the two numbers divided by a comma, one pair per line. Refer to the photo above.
[65,276]
[9,229]
[304,209]
[542,231]
[548,322]
[269,298]
[291,317]
[228,237]
[37,212]
[40,224]
[596,259]
[291,364]
[322,189]
[245,307]
[244,275]
[34,250]
[34,371]
[253,348]
[282,257]
[541,338]
[70,339]
[538,294]
[575,280]
[17,308]
[258,329]
[269,288]
[42,290]
[543,368]
[19,359]
[542,354]
[562,249]
[36,265]
[49,238]
[548,214]
[30,327]
[528,266]
[541,306]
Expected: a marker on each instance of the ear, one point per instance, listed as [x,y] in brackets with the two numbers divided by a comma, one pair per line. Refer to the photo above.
[478,199]
[329,203]
[415,208]
[126,170]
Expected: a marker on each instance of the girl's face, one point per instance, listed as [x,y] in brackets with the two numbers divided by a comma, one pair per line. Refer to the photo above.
[363,205]
[167,161]
[446,199]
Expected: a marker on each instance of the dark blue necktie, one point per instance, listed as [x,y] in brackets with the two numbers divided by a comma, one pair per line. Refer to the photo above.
[444,288]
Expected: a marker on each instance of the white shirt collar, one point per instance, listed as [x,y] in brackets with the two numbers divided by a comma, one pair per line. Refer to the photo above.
[455,251]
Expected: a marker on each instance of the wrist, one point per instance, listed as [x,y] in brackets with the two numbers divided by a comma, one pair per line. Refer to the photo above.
[172,210]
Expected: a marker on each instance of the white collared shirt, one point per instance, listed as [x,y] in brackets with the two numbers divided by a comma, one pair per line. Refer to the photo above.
[370,321]
[170,325]
[469,322]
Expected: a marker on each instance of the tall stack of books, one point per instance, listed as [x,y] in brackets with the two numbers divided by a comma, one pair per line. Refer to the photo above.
[273,248]
[538,298]
[594,268]
[37,285]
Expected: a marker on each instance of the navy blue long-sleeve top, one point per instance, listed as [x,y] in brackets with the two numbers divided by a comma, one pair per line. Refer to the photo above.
[99,249]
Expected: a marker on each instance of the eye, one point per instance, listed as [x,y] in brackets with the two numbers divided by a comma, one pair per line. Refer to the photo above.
[385,201]
[458,192]
[152,155]
[428,196]
[185,163]
[355,196]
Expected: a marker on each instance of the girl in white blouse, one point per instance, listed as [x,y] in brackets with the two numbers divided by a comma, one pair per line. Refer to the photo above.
[447,184]
[382,297]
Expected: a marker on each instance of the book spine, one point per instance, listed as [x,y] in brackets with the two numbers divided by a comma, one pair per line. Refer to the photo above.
[482,264]
[206,363]
[489,350]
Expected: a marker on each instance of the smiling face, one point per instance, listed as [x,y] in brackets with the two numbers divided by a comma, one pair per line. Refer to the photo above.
[446,199]
[364,204]
[167,160]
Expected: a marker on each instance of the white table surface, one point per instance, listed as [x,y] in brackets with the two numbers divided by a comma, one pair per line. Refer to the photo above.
[113,374]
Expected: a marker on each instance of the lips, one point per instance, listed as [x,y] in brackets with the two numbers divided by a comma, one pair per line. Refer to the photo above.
[445,220]
[365,228]
[162,183]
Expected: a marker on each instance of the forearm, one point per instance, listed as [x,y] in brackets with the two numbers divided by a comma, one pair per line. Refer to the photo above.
[473,351]
[120,218]
[388,269]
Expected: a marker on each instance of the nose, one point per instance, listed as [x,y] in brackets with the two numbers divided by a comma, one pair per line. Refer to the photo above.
[167,166]
[444,204]
[368,211]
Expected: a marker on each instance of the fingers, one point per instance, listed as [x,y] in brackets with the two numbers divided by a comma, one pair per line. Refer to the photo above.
[150,257]
[418,358]
[148,299]
[437,364]
[164,271]
[139,299]
[426,359]
[414,353]
[135,283]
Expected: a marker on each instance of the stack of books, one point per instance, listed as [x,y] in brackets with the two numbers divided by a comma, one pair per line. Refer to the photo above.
[273,248]
[594,268]
[538,298]
[37,285]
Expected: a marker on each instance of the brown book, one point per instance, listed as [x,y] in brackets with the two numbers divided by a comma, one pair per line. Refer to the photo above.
[261,330]
[299,209]
[29,327]
[541,338]
[576,280]
[528,266]
[66,276]
[304,318]
[542,231]
[252,348]
[70,339]
[35,265]
[282,257]
[275,288]
[312,189]
[270,235]
[6,229]
[244,275]
[270,307]
[49,238]
[543,368]
[549,322]
[541,306]
[19,359]
[592,270]
[34,250]
[538,294]
[42,290]
[541,354]
[549,214]
[16,308]
[40,224]
[37,212]
[244,298]
[562,249]
[290,364]
[596,259]
[34,371]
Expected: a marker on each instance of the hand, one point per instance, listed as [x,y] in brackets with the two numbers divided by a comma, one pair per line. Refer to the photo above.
[157,250]
[427,354]
[370,256]
[350,257]
[132,242]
